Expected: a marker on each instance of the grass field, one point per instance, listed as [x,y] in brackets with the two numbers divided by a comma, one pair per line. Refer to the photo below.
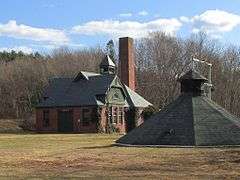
[56,156]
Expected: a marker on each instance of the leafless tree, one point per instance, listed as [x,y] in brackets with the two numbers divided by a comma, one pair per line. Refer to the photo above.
[160,60]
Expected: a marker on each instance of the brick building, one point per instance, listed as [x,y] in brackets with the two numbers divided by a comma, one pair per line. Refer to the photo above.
[91,102]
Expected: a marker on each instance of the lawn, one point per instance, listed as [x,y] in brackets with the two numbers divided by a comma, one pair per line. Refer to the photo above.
[41,156]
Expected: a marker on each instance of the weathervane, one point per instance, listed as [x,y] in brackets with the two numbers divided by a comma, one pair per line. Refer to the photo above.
[209,84]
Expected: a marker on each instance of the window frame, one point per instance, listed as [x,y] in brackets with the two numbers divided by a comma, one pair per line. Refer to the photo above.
[114,114]
[86,119]
[46,118]
[120,115]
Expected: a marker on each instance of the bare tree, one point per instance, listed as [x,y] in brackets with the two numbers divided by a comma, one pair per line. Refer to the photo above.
[23,80]
[161,59]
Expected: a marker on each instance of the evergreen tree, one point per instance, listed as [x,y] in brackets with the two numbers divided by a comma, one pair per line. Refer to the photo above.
[110,50]
[13,55]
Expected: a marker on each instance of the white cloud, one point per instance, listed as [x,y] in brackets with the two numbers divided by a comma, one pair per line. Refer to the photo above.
[21,31]
[215,22]
[125,15]
[185,19]
[55,46]
[143,13]
[127,28]
[24,49]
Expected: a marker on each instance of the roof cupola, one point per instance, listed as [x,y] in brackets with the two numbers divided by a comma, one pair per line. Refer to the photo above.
[191,82]
[107,66]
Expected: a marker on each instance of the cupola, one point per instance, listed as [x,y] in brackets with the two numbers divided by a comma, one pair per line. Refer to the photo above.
[191,82]
[107,66]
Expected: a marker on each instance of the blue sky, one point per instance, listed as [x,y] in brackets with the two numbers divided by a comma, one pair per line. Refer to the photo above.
[42,25]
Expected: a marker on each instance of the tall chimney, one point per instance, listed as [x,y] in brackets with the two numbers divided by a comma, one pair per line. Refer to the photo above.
[127,63]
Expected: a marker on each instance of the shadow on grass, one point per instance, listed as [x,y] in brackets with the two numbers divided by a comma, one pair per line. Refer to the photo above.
[97,147]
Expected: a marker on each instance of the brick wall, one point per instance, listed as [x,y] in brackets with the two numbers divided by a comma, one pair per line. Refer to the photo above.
[78,126]
[118,125]
[127,63]
[103,119]
[52,117]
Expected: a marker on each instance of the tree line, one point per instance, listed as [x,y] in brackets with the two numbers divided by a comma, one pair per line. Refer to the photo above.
[160,60]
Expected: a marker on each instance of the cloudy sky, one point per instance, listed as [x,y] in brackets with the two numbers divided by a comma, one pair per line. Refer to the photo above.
[42,25]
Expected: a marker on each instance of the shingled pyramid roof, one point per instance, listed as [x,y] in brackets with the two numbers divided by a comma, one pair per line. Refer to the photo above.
[191,120]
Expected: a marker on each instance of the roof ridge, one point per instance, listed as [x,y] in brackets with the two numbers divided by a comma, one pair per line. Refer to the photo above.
[90,72]
[222,111]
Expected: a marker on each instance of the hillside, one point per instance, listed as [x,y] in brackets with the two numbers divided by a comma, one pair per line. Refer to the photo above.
[10,126]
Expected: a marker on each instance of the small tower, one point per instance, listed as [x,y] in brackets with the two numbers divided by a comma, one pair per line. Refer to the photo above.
[192,82]
[107,66]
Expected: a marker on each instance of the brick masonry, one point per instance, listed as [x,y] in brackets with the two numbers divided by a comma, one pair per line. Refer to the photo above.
[127,63]
[78,126]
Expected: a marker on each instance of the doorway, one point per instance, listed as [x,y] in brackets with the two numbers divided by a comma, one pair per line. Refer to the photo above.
[65,121]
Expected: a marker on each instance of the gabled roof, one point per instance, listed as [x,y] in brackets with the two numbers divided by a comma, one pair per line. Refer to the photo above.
[107,61]
[85,89]
[84,75]
[135,100]
[67,92]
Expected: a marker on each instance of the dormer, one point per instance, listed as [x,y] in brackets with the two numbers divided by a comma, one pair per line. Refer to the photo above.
[82,75]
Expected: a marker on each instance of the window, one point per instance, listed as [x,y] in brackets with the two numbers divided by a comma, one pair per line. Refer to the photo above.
[115,111]
[86,117]
[110,115]
[46,118]
[100,97]
[120,115]
[116,96]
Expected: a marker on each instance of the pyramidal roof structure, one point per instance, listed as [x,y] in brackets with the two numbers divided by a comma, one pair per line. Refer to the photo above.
[191,120]
[107,61]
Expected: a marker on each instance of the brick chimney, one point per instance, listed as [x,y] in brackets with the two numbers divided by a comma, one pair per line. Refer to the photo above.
[127,63]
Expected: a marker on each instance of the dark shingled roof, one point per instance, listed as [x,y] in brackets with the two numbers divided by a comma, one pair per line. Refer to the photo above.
[191,120]
[192,75]
[66,92]
[82,91]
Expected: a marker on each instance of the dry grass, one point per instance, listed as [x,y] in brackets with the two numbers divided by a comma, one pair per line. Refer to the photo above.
[10,126]
[56,156]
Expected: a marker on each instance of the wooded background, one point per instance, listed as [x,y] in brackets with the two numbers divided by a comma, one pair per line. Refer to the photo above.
[160,60]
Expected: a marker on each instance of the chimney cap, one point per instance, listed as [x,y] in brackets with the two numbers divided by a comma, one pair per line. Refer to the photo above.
[126,38]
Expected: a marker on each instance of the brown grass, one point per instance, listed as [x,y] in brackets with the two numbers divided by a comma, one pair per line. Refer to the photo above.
[57,156]
[10,126]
